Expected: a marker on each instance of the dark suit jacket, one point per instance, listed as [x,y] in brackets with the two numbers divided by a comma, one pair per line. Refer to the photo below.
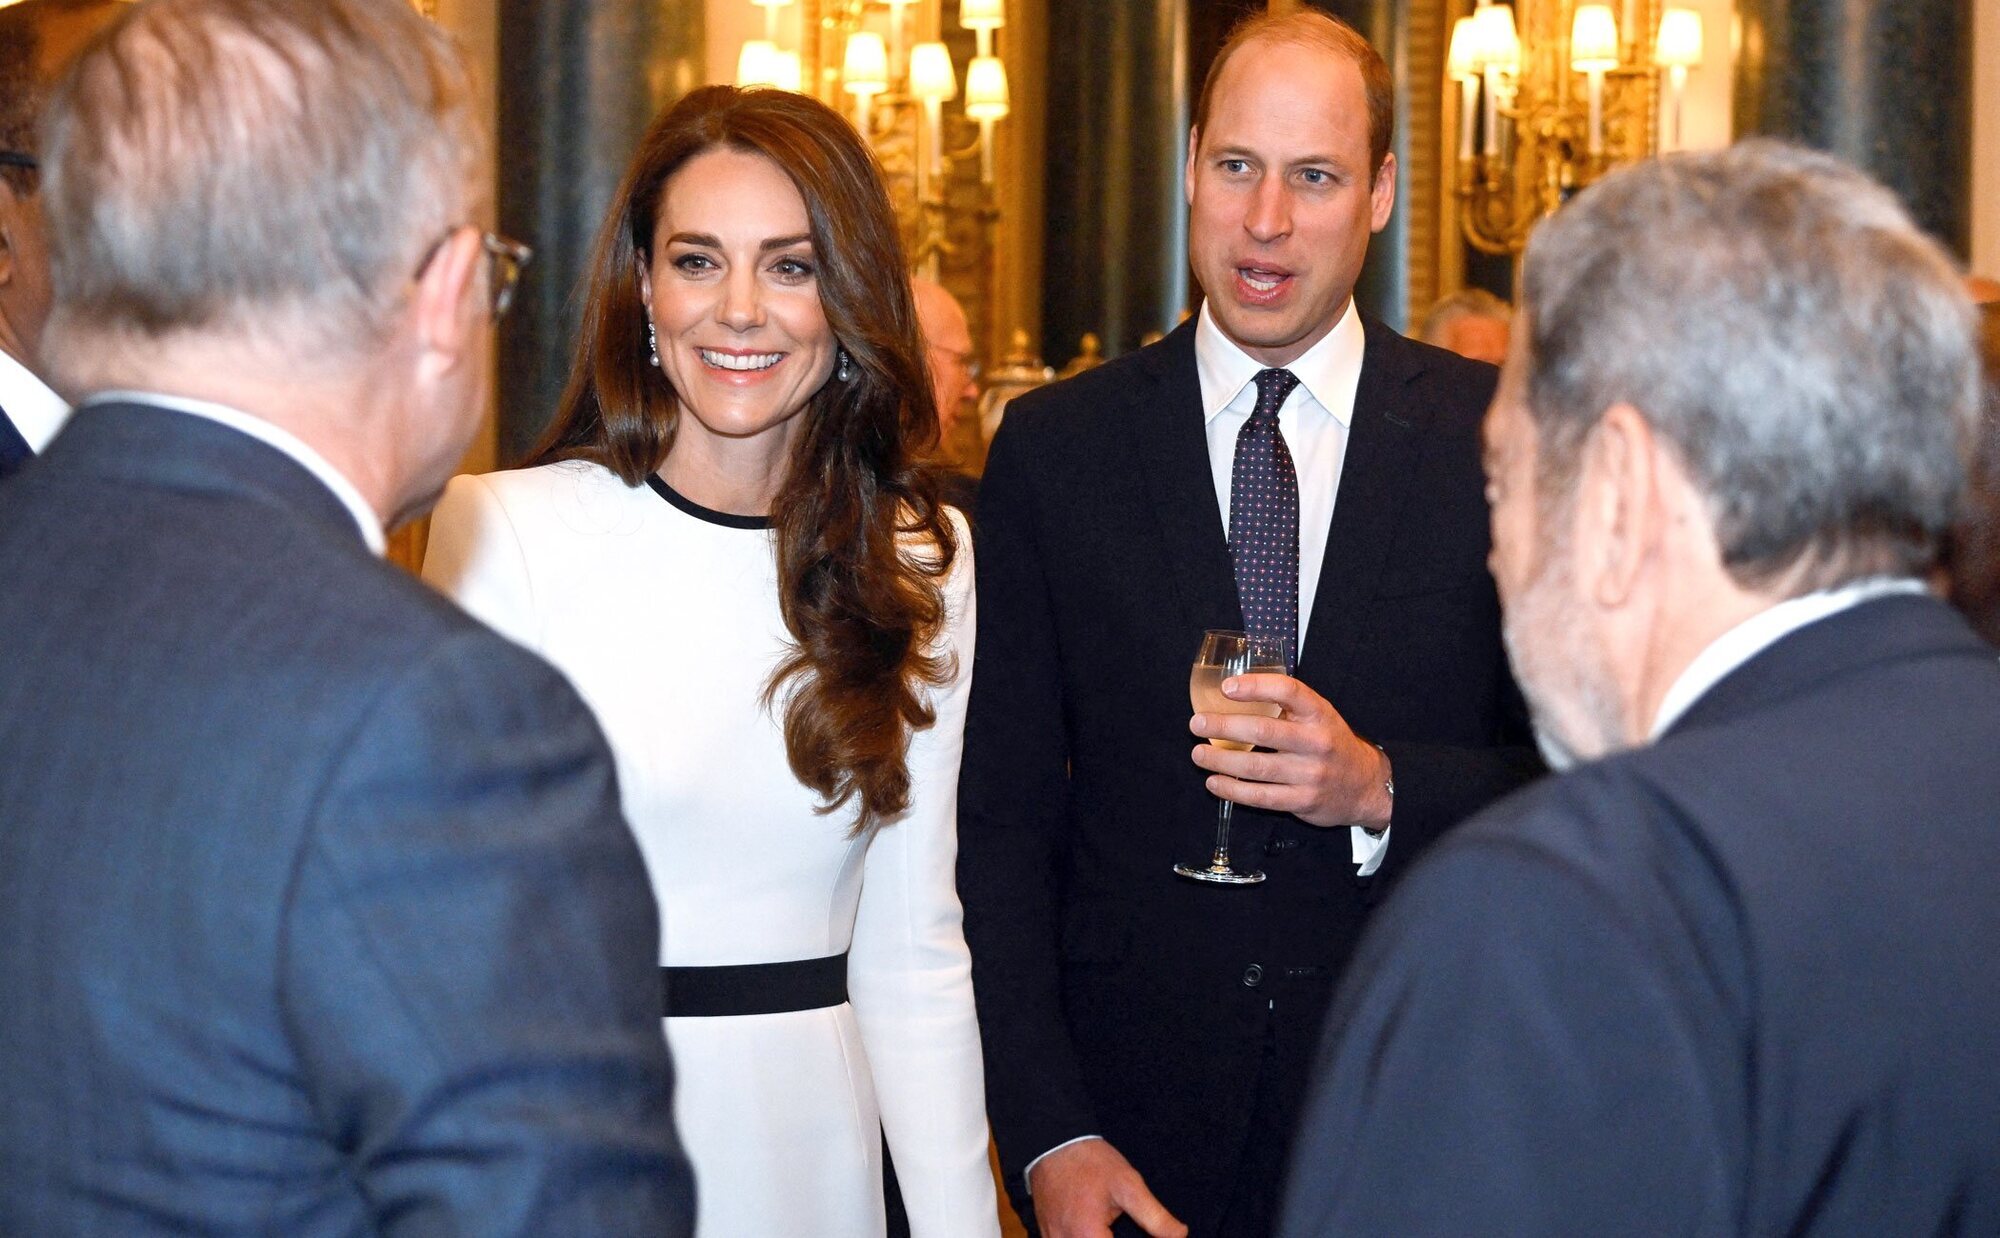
[318,915]
[1742,981]
[1114,997]
[14,450]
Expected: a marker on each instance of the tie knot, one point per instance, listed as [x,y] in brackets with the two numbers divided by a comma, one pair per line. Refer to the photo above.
[1272,388]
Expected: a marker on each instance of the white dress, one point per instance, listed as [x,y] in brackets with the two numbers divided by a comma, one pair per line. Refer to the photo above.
[665,617]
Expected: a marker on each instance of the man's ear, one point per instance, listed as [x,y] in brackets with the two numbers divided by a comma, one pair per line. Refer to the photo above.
[1621,518]
[448,304]
[1382,194]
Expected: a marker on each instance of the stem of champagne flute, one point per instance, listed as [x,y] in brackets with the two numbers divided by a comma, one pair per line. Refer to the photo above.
[1220,861]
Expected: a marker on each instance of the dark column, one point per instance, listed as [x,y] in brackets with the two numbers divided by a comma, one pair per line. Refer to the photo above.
[1886,84]
[1116,238]
[579,81]
[1383,290]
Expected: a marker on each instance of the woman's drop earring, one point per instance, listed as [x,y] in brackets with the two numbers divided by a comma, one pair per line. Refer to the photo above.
[845,370]
[652,344]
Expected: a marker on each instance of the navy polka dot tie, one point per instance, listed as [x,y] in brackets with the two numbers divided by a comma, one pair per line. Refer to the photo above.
[1264,518]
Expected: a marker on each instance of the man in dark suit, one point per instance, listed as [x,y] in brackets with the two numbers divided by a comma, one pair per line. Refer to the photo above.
[318,914]
[1737,976]
[37,39]
[1147,1035]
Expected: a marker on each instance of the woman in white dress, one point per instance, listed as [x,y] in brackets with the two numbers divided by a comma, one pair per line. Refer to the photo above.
[730,544]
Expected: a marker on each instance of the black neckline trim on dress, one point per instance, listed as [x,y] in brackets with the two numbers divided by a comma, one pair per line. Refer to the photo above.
[727,520]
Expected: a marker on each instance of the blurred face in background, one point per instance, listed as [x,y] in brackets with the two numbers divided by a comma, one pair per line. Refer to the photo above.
[1476,336]
[948,343]
[1282,198]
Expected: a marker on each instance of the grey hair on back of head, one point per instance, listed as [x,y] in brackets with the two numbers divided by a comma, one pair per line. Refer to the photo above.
[1805,350]
[266,168]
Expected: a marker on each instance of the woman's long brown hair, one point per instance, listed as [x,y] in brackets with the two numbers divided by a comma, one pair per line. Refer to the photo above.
[862,608]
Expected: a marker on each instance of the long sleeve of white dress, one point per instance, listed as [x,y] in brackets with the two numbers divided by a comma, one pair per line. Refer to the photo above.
[909,973]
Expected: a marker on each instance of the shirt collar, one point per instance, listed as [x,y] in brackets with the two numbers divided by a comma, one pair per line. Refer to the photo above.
[1762,630]
[36,411]
[273,436]
[1329,370]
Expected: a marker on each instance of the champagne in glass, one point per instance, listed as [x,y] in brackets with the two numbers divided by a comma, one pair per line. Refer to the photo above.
[1224,655]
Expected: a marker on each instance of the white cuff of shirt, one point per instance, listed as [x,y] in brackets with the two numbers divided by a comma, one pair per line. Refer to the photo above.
[1029,1186]
[1368,852]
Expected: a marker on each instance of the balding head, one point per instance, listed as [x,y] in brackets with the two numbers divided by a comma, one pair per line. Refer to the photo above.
[269,204]
[38,39]
[274,169]
[948,341]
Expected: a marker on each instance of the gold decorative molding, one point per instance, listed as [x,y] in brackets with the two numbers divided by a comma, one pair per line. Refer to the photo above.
[1425,38]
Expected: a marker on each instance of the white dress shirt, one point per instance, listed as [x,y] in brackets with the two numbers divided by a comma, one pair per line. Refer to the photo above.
[1759,632]
[36,411]
[273,436]
[1314,420]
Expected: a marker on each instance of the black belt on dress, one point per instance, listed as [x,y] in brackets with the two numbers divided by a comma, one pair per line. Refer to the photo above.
[754,988]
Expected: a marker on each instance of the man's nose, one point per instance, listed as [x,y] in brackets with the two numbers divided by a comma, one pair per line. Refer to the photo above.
[1270,214]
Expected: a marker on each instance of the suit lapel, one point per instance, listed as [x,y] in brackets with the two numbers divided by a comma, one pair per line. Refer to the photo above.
[1167,421]
[14,449]
[1384,440]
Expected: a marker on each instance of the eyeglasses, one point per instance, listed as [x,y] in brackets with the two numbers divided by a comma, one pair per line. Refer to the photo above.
[969,362]
[505,259]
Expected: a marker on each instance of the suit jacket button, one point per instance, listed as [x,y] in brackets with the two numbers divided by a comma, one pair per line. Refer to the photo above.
[1253,976]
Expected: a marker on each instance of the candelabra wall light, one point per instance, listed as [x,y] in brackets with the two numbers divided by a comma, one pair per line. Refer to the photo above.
[1552,95]
[884,63]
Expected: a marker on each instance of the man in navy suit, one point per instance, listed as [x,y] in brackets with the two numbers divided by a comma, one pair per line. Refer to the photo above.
[318,914]
[1279,463]
[37,38]
[1735,975]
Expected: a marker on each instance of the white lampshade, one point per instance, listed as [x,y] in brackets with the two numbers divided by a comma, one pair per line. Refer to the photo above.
[1680,39]
[865,70]
[931,74]
[1496,43]
[986,88]
[787,73]
[754,64]
[1463,62]
[1593,39]
[982,14]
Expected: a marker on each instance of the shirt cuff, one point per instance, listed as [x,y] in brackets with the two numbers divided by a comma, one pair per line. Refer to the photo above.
[1368,852]
[1026,1184]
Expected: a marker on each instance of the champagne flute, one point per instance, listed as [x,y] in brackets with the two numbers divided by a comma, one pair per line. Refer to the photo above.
[1225,654]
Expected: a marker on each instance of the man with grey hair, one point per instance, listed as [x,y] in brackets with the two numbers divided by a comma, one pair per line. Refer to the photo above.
[1736,974]
[318,914]
[38,38]
[1471,322]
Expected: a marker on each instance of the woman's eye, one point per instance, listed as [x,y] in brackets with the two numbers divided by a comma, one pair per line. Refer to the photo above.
[693,263]
[793,268]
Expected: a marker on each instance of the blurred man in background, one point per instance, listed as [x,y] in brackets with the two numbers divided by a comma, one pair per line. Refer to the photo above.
[1471,322]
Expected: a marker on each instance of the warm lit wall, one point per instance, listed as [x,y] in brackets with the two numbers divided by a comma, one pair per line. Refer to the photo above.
[1986,137]
[1705,112]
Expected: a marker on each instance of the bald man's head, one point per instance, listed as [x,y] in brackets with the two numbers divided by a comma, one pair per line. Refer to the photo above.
[948,341]
[38,40]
